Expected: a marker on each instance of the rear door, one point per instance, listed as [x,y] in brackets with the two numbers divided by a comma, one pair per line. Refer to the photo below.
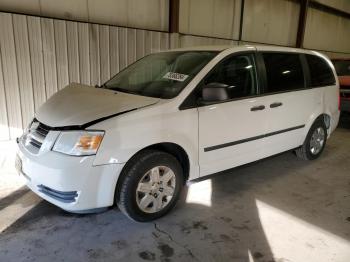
[289,103]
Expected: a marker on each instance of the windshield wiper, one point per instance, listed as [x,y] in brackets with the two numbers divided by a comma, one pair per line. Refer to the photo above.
[123,90]
[115,88]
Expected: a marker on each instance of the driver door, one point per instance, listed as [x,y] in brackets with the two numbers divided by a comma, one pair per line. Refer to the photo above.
[231,131]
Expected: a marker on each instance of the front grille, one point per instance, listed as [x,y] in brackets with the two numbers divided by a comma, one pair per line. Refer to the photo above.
[62,196]
[35,136]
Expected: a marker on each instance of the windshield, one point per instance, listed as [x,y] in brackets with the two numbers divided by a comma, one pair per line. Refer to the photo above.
[342,67]
[161,75]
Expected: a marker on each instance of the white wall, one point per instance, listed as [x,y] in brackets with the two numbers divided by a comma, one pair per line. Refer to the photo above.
[39,56]
[214,18]
[270,21]
[327,32]
[144,14]
[339,4]
[180,40]
[267,21]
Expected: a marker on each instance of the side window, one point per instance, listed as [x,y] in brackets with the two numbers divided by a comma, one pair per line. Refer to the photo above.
[238,73]
[320,72]
[284,72]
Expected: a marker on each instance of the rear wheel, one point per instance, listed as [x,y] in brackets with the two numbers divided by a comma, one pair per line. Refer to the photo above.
[314,143]
[150,186]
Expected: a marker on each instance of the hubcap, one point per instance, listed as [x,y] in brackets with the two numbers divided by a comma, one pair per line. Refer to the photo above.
[155,189]
[317,141]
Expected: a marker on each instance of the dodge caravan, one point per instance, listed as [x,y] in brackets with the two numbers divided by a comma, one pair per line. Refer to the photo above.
[176,116]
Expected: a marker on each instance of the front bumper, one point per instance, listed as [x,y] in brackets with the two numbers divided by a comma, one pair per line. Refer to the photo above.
[71,183]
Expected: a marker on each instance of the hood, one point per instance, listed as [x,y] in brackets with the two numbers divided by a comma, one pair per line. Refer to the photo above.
[77,105]
[344,81]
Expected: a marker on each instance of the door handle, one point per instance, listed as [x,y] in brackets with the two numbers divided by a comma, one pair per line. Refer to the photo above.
[257,108]
[277,104]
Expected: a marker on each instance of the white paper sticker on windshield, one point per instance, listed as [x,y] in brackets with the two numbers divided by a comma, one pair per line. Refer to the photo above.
[175,76]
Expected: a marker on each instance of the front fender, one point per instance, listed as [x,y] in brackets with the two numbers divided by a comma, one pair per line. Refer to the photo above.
[127,134]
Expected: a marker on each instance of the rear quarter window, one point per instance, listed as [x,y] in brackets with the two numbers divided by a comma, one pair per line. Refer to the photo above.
[320,72]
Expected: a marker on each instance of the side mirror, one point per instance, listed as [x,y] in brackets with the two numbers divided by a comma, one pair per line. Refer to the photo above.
[214,92]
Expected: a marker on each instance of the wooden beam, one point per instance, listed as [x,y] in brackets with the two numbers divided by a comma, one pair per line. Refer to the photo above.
[174,12]
[304,5]
[329,9]
[241,21]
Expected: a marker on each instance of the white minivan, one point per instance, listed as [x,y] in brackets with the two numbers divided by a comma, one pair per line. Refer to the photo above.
[176,116]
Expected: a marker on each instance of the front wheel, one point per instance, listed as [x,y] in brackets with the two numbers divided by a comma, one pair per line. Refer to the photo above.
[314,143]
[150,186]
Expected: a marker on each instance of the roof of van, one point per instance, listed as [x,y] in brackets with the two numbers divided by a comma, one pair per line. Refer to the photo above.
[247,47]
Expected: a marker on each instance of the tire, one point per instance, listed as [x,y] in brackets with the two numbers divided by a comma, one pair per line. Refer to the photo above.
[305,152]
[132,198]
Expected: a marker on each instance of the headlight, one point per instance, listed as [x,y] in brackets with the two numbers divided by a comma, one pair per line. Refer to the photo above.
[78,143]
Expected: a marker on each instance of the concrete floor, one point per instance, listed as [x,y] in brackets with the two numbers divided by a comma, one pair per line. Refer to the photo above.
[279,209]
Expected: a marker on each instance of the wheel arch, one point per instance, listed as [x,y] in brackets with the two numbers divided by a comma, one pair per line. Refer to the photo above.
[326,118]
[177,151]
[303,152]
[171,148]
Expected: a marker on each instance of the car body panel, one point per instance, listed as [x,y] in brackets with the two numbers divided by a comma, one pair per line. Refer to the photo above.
[129,133]
[79,104]
[95,185]
[226,123]
[132,123]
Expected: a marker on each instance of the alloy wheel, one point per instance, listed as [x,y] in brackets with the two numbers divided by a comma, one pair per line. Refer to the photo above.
[155,189]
